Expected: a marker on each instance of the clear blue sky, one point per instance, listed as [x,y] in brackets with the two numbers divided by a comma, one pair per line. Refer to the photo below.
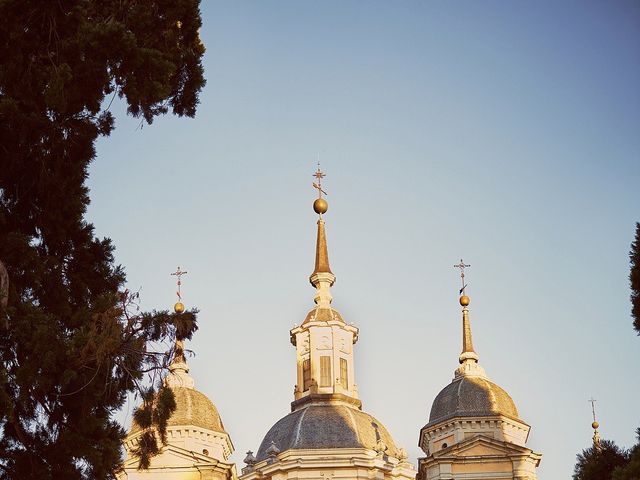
[505,133]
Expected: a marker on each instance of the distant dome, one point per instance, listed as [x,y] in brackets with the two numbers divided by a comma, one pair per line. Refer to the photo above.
[320,426]
[471,397]
[192,408]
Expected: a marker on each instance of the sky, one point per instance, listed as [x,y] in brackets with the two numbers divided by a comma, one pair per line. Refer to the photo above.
[503,133]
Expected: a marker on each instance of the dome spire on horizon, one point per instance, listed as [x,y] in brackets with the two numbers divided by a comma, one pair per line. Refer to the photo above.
[324,342]
[327,433]
[595,425]
[468,353]
[468,357]
[474,427]
[196,444]
[179,370]
[322,278]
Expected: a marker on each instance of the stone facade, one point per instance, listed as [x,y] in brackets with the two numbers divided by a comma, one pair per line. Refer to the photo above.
[330,463]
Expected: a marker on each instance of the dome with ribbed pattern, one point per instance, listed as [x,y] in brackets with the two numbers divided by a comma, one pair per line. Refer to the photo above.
[193,408]
[471,396]
[327,426]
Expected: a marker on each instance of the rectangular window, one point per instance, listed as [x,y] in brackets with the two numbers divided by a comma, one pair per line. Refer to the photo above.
[306,374]
[325,371]
[344,374]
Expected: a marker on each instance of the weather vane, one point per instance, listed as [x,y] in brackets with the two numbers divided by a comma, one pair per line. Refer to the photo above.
[178,273]
[462,266]
[319,175]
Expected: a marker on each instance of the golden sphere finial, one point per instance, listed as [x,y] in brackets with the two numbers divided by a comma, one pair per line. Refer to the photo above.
[320,206]
[595,425]
[464,300]
[178,307]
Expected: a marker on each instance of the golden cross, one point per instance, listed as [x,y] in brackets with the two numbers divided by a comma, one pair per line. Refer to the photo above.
[593,401]
[319,175]
[178,273]
[462,266]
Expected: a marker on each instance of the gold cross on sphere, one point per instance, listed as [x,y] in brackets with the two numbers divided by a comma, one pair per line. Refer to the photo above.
[320,206]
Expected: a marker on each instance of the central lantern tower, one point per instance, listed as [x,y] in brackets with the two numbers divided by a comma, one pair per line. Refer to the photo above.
[326,435]
[324,342]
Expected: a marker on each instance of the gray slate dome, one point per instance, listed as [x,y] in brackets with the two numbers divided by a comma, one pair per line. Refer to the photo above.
[319,426]
[470,397]
[192,408]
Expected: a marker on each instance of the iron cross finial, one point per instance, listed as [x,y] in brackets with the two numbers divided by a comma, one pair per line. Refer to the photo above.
[319,175]
[462,266]
[178,273]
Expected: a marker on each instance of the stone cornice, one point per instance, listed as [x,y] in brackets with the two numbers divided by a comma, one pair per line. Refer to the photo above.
[325,398]
[333,459]
[189,431]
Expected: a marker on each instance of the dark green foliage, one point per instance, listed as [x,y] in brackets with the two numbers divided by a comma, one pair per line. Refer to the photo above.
[72,342]
[599,464]
[152,416]
[634,279]
[631,471]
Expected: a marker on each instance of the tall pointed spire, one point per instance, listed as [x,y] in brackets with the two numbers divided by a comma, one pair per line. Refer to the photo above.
[179,370]
[324,341]
[322,278]
[322,254]
[468,353]
[468,357]
[595,425]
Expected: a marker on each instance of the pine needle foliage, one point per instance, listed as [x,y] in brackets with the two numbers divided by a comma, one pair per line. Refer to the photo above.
[634,279]
[631,471]
[73,342]
[594,464]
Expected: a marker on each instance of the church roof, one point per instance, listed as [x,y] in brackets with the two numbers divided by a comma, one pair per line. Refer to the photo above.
[322,253]
[323,314]
[323,426]
[193,408]
[471,396]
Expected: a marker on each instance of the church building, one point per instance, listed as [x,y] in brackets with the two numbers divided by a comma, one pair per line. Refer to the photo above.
[474,429]
[327,434]
[198,447]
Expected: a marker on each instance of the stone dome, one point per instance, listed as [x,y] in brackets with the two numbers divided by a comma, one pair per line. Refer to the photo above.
[320,426]
[471,396]
[192,408]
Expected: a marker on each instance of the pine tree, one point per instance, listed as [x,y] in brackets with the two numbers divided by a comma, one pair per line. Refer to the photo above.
[73,344]
[599,464]
[631,471]
[634,279]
